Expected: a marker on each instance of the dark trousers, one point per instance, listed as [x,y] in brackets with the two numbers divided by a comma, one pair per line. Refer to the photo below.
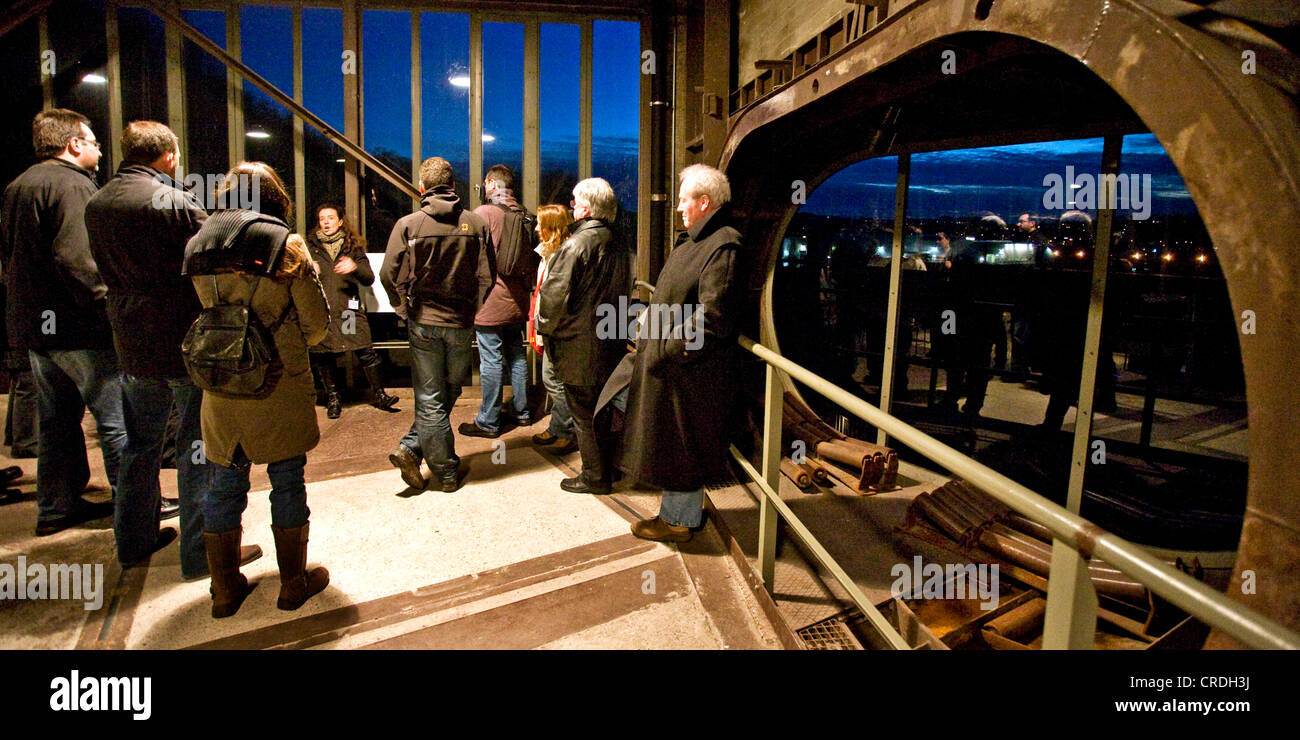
[20,417]
[594,443]
[146,406]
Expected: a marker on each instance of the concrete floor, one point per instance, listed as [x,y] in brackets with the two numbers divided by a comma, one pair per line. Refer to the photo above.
[508,561]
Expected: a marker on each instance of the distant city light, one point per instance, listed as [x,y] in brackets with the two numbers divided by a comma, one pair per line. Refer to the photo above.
[1200,258]
[1168,257]
[1079,254]
[258,135]
[94,79]
[1137,255]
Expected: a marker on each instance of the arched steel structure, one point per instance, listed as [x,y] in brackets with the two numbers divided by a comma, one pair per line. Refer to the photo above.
[1048,69]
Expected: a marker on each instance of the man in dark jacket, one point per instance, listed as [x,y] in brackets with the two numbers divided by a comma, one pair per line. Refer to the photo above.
[499,325]
[590,270]
[683,379]
[437,270]
[56,312]
[138,225]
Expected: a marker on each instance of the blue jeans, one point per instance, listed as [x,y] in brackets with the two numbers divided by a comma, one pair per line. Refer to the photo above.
[499,346]
[440,367]
[682,508]
[67,381]
[228,493]
[561,419]
[146,403]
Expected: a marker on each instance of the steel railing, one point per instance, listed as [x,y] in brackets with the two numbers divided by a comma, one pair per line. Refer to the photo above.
[1074,537]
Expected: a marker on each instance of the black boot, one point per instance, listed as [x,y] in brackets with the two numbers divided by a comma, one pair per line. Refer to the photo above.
[333,408]
[378,398]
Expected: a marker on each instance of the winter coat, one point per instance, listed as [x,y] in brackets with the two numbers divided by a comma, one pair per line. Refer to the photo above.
[55,294]
[590,270]
[683,387]
[344,293]
[282,425]
[138,226]
[458,269]
[507,303]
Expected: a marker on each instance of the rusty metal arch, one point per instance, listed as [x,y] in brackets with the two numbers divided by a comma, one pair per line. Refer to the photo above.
[1235,139]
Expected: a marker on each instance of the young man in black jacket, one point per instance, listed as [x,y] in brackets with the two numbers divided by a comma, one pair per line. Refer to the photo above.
[56,312]
[139,224]
[438,269]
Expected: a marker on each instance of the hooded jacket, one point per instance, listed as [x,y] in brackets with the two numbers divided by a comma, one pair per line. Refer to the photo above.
[438,267]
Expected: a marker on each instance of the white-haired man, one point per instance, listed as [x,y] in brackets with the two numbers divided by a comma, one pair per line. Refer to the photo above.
[591,269]
[683,379]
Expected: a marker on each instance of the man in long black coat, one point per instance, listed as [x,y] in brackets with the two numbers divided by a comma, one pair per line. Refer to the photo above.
[684,377]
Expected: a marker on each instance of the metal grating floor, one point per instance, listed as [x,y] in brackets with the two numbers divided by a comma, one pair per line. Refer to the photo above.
[832,634]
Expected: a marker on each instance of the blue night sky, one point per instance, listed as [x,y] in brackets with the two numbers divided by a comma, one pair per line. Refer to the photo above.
[444,53]
[1005,180]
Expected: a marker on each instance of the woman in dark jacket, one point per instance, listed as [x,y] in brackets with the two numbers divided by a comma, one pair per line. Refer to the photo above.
[346,276]
[683,378]
[276,431]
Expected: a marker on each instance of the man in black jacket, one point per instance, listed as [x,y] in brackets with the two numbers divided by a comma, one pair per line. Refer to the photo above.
[590,270]
[138,225]
[56,312]
[438,269]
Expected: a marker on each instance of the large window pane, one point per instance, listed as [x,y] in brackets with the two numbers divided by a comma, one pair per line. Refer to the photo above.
[144,65]
[444,90]
[266,44]
[560,101]
[79,45]
[20,59]
[386,90]
[322,94]
[615,122]
[503,97]
[205,97]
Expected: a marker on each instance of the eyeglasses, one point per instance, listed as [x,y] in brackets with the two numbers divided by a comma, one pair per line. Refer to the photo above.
[92,142]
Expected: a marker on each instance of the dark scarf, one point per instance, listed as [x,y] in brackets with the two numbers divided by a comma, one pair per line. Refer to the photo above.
[332,244]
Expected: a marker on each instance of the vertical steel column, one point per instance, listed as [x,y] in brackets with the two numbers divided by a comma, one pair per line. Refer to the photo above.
[584,101]
[43,40]
[352,111]
[304,219]
[234,88]
[175,84]
[532,114]
[475,109]
[1071,620]
[113,42]
[773,402]
[895,292]
[417,96]
[648,150]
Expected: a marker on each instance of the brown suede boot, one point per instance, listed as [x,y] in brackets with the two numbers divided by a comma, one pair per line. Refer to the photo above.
[229,586]
[297,584]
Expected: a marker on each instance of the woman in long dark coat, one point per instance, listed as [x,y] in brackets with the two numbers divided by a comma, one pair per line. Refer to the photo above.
[683,379]
[346,276]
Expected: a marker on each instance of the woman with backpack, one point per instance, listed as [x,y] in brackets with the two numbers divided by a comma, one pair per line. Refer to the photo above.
[552,229]
[241,258]
[346,276]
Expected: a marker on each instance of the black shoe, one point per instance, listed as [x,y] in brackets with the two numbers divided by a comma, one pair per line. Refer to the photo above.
[87,513]
[451,484]
[470,429]
[545,438]
[580,484]
[169,508]
[509,419]
[165,538]
[382,401]
[10,474]
[333,408]
[406,461]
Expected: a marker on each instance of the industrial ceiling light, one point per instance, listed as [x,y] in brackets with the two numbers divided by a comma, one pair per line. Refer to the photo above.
[488,138]
[258,135]
[94,79]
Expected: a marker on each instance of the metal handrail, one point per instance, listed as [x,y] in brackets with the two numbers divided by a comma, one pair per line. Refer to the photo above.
[1069,529]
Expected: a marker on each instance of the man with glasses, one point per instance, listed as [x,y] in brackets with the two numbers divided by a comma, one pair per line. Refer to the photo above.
[57,312]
